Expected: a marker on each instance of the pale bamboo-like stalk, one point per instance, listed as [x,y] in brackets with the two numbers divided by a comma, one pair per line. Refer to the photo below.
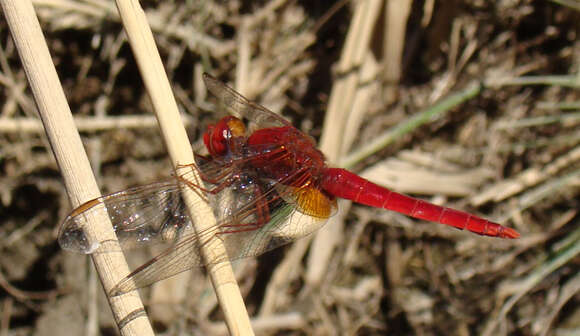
[84,124]
[71,157]
[180,151]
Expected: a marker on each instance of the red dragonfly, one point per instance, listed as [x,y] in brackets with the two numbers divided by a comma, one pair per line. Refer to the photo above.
[268,185]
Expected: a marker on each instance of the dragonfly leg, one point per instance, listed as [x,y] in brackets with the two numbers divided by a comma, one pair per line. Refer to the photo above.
[213,179]
[220,185]
[261,210]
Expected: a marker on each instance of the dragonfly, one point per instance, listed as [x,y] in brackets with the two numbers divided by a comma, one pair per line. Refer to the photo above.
[267,184]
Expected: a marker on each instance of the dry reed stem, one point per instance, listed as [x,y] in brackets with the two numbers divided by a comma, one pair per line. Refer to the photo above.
[84,124]
[395,29]
[267,324]
[244,56]
[165,107]
[361,102]
[70,155]
[92,326]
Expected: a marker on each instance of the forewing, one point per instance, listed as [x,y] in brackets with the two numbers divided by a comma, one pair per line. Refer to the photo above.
[242,107]
[184,255]
[140,216]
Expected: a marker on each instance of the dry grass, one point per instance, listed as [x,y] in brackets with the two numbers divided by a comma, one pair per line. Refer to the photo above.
[474,107]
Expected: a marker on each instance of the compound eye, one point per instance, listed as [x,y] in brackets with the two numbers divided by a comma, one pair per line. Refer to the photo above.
[219,137]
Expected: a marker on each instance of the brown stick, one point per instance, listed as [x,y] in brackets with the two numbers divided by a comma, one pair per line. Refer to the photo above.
[70,155]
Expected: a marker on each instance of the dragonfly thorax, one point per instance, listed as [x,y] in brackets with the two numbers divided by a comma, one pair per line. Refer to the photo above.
[281,152]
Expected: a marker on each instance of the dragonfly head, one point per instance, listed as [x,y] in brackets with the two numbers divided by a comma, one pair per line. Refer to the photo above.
[218,137]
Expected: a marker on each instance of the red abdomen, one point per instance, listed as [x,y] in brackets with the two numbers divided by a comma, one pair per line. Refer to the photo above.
[342,183]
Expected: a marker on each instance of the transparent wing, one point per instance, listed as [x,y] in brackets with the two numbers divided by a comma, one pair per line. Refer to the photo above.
[253,218]
[240,106]
[143,215]
[241,239]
